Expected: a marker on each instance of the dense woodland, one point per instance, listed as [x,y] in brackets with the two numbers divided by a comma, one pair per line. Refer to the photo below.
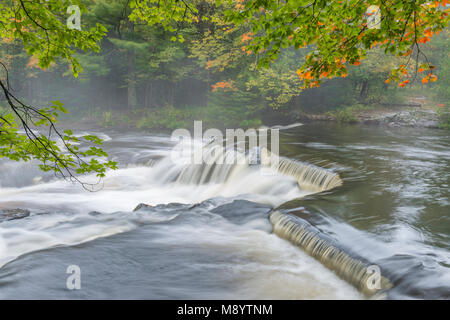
[148,77]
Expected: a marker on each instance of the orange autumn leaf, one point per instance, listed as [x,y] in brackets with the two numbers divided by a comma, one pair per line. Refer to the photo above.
[246,37]
[314,84]
[424,40]
[307,75]
[33,63]
[428,33]
[225,85]
[407,53]
[16,20]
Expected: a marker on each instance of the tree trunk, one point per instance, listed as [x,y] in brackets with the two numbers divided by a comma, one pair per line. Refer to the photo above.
[364,90]
[131,81]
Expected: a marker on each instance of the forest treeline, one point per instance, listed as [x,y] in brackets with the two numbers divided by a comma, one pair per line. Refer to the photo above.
[147,77]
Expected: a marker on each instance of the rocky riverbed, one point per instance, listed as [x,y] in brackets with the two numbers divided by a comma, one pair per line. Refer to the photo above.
[403,118]
[393,117]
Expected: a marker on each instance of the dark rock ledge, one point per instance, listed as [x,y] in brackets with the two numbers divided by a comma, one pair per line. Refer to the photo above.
[12,214]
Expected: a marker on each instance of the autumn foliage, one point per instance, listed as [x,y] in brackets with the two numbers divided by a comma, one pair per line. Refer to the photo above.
[224,85]
[339,33]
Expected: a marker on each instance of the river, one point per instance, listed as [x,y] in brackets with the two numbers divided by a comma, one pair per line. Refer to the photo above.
[211,238]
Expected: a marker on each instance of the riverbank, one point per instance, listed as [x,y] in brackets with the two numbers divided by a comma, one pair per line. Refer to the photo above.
[394,116]
[420,112]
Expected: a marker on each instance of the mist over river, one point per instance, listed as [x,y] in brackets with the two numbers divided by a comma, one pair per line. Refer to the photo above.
[206,233]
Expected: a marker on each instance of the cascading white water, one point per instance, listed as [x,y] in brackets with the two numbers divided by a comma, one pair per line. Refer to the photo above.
[309,177]
[163,182]
[229,165]
[228,174]
[392,213]
[317,244]
[63,214]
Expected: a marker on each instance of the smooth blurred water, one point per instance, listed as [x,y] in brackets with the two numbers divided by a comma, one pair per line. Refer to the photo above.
[394,206]
[393,209]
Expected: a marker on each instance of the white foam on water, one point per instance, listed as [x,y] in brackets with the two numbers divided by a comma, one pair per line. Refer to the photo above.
[164,182]
[286,127]
[264,266]
[276,269]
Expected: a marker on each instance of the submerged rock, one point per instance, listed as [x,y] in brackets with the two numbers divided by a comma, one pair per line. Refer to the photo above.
[411,117]
[94,213]
[12,214]
[141,206]
[404,118]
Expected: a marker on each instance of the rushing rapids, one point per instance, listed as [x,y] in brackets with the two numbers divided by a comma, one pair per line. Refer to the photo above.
[308,176]
[317,244]
[226,165]
[229,164]
[210,230]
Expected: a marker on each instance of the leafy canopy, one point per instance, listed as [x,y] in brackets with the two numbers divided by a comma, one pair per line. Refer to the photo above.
[28,132]
[337,32]
[340,34]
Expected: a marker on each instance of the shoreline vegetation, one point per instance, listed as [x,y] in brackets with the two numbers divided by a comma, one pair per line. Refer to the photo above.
[141,79]
[418,112]
[400,115]
[138,65]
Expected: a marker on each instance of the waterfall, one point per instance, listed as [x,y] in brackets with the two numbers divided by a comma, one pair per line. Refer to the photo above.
[317,244]
[227,163]
[220,166]
[309,177]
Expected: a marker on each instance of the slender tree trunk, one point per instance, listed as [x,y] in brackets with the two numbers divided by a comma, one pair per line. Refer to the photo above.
[131,81]
[364,90]
[208,88]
